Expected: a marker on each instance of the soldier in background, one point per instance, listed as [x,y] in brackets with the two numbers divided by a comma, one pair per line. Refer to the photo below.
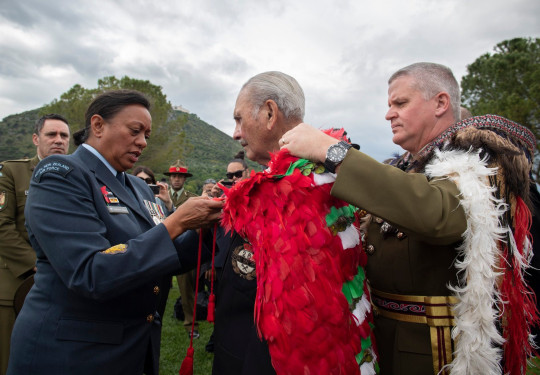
[178,174]
[17,258]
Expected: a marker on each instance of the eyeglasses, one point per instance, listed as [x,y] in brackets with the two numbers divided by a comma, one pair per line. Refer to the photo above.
[236,174]
[148,180]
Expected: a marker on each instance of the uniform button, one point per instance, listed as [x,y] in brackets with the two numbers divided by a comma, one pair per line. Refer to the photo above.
[370,249]
[150,318]
[156,290]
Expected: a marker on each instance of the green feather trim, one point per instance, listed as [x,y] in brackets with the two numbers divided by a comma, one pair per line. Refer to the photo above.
[354,289]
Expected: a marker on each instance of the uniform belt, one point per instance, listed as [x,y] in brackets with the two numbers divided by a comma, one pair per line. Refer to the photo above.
[435,311]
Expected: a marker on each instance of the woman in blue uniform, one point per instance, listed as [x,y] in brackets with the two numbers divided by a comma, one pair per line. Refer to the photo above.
[103,247]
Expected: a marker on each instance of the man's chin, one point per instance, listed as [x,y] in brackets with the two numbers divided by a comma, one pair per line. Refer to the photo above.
[57,152]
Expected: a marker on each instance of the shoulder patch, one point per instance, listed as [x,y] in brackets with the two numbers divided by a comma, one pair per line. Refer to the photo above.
[59,167]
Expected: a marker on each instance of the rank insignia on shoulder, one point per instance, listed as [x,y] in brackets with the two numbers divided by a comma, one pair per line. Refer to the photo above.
[116,249]
[3,200]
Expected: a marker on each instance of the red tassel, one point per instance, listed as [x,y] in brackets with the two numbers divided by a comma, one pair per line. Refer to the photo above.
[211,307]
[212,299]
[187,363]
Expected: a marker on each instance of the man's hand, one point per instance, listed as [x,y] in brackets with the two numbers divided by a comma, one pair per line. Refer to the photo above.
[196,212]
[304,141]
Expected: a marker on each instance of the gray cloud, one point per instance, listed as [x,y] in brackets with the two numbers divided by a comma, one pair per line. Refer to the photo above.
[201,52]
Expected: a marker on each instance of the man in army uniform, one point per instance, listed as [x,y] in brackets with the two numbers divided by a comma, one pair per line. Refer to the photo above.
[177,178]
[17,258]
[178,174]
[438,220]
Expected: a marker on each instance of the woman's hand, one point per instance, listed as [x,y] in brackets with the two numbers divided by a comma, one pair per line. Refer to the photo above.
[196,212]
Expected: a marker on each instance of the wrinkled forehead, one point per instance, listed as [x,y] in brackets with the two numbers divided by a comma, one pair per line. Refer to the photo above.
[243,101]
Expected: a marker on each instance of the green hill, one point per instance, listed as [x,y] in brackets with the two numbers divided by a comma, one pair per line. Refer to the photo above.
[209,149]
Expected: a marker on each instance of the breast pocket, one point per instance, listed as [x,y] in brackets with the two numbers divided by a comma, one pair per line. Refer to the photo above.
[90,331]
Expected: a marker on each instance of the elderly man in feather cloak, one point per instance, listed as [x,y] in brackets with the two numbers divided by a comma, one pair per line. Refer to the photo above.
[301,250]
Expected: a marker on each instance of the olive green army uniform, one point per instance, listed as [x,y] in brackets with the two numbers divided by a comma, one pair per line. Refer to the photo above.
[415,259]
[185,280]
[178,199]
[17,258]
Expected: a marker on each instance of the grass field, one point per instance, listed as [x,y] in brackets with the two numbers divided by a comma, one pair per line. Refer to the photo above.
[175,341]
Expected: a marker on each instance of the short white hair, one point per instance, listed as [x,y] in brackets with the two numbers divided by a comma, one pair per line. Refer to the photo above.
[279,87]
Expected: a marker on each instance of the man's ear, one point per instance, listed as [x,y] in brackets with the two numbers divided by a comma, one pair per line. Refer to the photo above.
[97,124]
[35,139]
[271,113]
[442,103]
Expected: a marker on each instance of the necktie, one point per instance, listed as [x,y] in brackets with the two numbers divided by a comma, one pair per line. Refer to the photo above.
[121,177]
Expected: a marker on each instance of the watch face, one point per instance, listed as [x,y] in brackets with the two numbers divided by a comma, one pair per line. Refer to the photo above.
[336,153]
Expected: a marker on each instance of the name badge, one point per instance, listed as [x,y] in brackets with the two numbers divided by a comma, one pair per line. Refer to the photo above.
[118,210]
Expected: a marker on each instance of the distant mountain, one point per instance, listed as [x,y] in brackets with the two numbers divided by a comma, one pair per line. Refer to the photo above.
[16,135]
[210,151]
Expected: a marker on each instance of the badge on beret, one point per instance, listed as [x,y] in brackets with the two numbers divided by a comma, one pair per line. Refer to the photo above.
[3,200]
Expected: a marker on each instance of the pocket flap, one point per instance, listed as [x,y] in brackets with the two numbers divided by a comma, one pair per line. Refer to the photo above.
[90,331]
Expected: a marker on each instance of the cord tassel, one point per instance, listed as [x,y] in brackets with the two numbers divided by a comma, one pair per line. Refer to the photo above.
[187,364]
[211,308]
[212,298]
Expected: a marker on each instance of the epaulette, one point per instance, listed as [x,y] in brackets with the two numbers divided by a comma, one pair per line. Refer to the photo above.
[26,160]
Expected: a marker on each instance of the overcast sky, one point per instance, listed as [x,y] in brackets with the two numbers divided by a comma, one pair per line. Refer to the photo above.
[201,52]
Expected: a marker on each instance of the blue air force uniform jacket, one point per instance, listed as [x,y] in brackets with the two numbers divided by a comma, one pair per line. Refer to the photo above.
[100,264]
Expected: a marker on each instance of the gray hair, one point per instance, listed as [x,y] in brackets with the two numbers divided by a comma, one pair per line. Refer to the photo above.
[431,79]
[279,87]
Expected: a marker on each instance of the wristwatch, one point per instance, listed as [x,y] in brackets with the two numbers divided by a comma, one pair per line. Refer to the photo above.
[335,155]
